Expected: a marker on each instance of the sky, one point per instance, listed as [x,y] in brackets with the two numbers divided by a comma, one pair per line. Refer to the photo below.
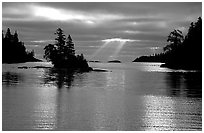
[101,31]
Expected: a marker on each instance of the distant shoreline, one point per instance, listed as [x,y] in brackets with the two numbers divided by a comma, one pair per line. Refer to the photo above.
[21,61]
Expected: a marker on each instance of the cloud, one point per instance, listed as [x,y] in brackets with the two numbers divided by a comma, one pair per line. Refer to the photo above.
[119,40]
[89,23]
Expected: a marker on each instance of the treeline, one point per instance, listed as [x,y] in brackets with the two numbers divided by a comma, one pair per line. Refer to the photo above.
[13,50]
[151,58]
[181,52]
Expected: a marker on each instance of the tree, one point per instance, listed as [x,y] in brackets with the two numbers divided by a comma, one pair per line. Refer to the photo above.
[62,53]
[70,45]
[8,34]
[60,39]
[30,53]
[15,37]
[175,39]
[50,52]
[57,53]
[13,50]
[192,45]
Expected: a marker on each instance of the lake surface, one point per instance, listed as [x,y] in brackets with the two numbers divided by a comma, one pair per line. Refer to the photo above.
[130,96]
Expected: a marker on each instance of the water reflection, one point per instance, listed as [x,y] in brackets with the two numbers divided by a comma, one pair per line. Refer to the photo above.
[184,84]
[59,77]
[11,78]
[63,78]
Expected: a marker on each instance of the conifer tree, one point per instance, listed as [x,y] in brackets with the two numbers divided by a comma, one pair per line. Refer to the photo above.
[8,34]
[60,39]
[70,45]
[15,37]
[13,50]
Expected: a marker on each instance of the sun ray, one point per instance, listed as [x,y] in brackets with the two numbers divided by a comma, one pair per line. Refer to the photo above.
[115,54]
[98,50]
[116,43]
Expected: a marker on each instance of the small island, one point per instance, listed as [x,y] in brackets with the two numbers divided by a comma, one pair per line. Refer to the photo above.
[181,52]
[62,54]
[114,61]
[96,61]
[151,58]
[14,51]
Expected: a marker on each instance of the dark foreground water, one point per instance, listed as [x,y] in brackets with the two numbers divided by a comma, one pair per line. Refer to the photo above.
[134,96]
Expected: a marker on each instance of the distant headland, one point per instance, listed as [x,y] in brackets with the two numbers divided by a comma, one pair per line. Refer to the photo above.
[14,51]
[181,52]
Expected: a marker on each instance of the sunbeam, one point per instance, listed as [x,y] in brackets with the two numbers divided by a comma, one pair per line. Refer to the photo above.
[102,47]
[115,54]
[114,44]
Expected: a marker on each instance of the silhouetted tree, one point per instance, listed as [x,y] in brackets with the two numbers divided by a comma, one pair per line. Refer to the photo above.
[15,37]
[62,53]
[8,34]
[192,45]
[60,39]
[13,50]
[70,45]
[57,53]
[50,53]
[175,39]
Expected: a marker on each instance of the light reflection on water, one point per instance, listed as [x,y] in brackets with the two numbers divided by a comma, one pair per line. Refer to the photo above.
[127,97]
[159,113]
[166,113]
[45,110]
[116,80]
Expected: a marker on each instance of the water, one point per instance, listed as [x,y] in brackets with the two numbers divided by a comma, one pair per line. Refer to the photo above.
[131,96]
